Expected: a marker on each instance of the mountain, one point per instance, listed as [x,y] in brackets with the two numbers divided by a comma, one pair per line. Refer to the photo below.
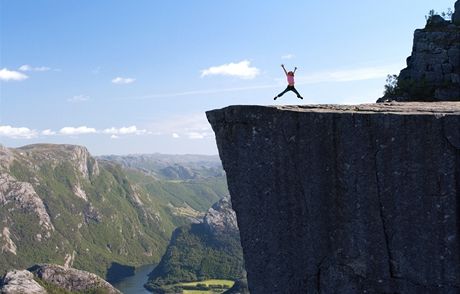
[208,250]
[186,185]
[51,278]
[345,199]
[172,167]
[58,204]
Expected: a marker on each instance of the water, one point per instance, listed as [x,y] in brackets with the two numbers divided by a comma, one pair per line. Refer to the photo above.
[135,284]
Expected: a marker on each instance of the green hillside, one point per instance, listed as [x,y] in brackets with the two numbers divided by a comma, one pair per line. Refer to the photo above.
[60,205]
[197,252]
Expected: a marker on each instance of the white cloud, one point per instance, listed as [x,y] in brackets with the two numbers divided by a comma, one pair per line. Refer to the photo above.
[114,137]
[190,126]
[27,67]
[197,135]
[344,75]
[123,81]
[348,75]
[17,133]
[48,132]
[78,98]
[288,56]
[11,75]
[77,131]
[124,131]
[241,69]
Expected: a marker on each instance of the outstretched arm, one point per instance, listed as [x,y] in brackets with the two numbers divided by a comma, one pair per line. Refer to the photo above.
[282,65]
[295,68]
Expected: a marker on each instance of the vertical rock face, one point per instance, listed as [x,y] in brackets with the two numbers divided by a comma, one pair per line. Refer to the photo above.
[456,15]
[338,199]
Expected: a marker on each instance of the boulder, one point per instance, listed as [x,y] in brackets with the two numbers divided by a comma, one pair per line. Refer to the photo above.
[20,282]
[72,279]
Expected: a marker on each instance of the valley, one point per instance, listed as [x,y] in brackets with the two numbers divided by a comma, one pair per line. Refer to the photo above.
[104,215]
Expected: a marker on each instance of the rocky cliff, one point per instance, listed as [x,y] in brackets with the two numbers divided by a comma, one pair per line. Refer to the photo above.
[433,69]
[345,199]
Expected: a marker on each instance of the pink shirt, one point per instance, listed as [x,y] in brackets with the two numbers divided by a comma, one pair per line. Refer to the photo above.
[290,80]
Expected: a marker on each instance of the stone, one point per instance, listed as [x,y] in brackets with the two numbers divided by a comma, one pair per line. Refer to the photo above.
[72,279]
[20,282]
[345,199]
[221,218]
[23,196]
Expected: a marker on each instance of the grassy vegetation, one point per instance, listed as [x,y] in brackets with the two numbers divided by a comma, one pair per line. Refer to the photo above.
[53,289]
[212,282]
[200,287]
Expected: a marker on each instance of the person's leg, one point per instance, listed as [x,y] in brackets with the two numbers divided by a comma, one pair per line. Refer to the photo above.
[282,93]
[297,93]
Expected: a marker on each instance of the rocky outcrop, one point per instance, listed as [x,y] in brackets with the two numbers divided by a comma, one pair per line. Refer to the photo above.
[221,218]
[20,282]
[7,244]
[433,69]
[22,196]
[6,156]
[72,279]
[345,199]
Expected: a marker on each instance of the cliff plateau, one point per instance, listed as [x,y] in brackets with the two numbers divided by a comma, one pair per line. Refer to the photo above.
[345,199]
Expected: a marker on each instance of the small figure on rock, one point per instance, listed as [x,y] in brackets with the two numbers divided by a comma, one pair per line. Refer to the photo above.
[290,80]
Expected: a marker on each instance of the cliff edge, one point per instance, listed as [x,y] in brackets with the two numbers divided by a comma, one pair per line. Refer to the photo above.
[345,199]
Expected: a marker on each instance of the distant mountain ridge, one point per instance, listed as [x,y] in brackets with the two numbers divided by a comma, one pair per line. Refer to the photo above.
[172,167]
[58,204]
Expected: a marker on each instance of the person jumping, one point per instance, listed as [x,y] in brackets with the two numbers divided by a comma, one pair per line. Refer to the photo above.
[290,80]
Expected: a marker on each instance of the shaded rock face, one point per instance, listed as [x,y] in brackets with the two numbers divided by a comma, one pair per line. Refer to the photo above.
[18,282]
[433,69]
[345,199]
[456,15]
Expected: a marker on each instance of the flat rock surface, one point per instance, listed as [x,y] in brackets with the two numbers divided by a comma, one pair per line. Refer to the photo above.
[388,107]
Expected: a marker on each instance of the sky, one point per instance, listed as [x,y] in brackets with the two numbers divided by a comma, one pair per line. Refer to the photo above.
[126,77]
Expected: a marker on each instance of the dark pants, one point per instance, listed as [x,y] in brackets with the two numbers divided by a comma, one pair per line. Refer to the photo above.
[289,88]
